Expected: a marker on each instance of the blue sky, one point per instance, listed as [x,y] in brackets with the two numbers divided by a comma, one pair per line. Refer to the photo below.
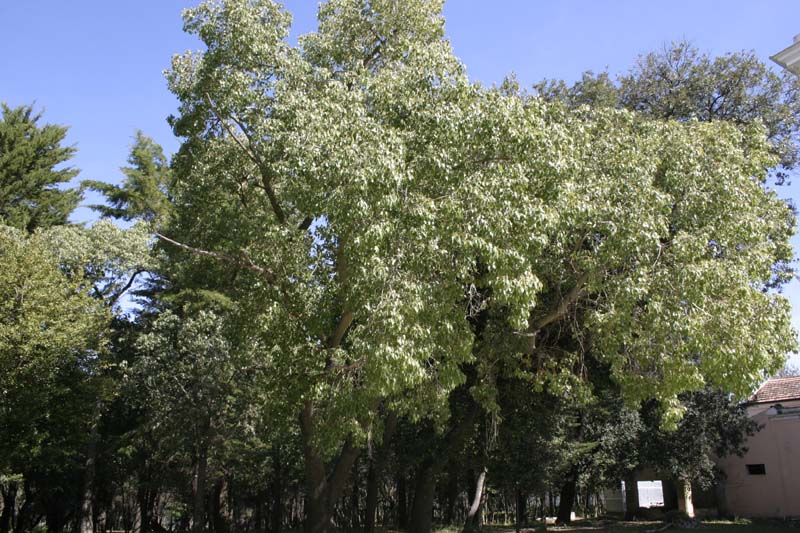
[96,65]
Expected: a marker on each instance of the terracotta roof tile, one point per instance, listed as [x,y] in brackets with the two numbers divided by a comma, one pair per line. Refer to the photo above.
[777,389]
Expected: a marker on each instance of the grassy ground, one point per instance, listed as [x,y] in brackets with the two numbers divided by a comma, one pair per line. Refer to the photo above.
[601,526]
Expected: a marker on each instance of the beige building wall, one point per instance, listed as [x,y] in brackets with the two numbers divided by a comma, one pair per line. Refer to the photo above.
[776,492]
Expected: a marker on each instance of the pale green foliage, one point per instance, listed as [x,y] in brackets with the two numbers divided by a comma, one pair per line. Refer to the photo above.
[189,376]
[105,255]
[433,199]
[49,326]
[44,314]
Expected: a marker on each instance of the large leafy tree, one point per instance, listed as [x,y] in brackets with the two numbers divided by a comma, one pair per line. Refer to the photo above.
[51,332]
[390,230]
[680,82]
[32,171]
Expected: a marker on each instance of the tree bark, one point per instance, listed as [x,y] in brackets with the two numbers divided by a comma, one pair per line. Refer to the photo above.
[631,497]
[258,512]
[142,497]
[670,493]
[402,500]
[522,509]
[276,490]
[355,503]
[322,490]
[9,494]
[451,495]
[199,490]
[218,517]
[566,499]
[85,518]
[422,508]
[376,468]
[473,521]
[431,467]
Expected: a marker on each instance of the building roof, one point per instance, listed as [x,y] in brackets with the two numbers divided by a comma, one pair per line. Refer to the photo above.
[777,389]
[790,57]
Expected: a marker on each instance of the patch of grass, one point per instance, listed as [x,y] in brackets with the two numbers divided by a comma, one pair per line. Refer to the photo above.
[613,526]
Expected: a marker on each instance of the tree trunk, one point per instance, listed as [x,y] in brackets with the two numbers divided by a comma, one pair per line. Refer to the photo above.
[451,496]
[258,512]
[9,494]
[276,490]
[473,521]
[402,500]
[522,509]
[323,491]
[199,490]
[375,473]
[355,503]
[371,504]
[566,499]
[422,508]
[56,514]
[670,494]
[218,506]
[144,511]
[85,522]
[631,498]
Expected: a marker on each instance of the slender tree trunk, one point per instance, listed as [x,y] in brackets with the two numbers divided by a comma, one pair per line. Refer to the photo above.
[451,496]
[85,516]
[355,500]
[566,499]
[142,498]
[218,513]
[258,512]
[276,490]
[631,497]
[473,521]
[376,467]
[371,504]
[402,500]
[199,490]
[522,509]
[9,494]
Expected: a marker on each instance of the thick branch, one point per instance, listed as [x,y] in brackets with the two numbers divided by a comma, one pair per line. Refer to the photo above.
[341,472]
[535,325]
[305,224]
[341,328]
[245,262]
[254,156]
[124,289]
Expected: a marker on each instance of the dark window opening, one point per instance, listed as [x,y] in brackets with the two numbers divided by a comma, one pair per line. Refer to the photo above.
[756,470]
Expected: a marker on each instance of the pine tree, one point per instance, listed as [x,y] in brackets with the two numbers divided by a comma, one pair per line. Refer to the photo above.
[30,196]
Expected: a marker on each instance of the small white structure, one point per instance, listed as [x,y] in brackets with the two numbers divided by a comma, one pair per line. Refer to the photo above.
[789,58]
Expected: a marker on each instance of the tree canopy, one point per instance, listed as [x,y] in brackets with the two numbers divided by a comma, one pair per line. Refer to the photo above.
[31,171]
[361,261]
